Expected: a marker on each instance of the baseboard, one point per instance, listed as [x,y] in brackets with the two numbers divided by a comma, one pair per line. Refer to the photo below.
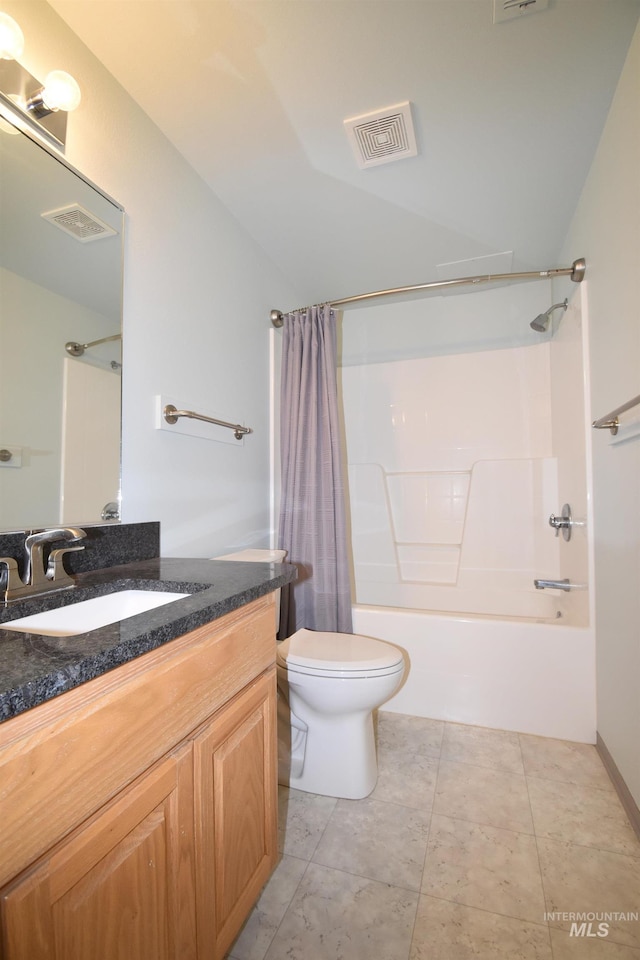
[627,800]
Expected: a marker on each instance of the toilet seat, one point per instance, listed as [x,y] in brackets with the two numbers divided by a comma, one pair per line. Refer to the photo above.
[346,655]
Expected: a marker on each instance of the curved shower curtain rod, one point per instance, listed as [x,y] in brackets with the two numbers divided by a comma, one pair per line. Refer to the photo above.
[576,272]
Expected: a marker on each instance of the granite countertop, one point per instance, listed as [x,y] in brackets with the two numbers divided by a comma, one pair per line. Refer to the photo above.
[35,668]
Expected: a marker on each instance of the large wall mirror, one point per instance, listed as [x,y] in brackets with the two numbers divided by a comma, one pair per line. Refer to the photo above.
[60,284]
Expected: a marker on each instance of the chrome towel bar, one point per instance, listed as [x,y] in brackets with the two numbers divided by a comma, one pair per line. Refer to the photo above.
[610,421]
[77,349]
[171,415]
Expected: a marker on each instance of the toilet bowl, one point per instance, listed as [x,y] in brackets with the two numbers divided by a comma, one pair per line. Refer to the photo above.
[332,682]
[329,684]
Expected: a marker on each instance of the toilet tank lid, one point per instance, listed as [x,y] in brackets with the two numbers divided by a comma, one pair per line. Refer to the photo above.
[343,651]
[255,556]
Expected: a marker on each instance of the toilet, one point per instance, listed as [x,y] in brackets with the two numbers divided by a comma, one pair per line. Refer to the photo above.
[333,682]
[329,684]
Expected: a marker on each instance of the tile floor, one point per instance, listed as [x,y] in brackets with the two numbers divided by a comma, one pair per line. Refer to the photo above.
[470,837]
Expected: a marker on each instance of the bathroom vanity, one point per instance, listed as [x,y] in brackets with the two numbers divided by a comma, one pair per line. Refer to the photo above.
[138,770]
[137,759]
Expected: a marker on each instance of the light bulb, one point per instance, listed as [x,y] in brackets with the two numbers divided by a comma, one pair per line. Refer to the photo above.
[11,38]
[60,91]
[6,127]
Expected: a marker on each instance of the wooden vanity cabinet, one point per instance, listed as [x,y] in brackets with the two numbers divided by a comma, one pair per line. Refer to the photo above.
[168,865]
[120,886]
[236,814]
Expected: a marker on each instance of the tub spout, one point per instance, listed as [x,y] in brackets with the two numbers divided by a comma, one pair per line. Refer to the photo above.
[552,584]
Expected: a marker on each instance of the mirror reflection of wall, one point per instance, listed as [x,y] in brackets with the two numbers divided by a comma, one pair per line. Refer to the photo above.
[59,414]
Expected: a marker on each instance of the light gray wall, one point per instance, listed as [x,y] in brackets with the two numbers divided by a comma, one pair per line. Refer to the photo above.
[197,297]
[606,230]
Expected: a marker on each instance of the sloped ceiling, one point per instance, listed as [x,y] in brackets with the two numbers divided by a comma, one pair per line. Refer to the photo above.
[253,94]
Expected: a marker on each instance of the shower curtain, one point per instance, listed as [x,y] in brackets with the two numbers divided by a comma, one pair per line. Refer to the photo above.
[312,525]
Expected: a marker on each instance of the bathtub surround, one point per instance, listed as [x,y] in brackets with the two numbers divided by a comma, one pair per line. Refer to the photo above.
[457,461]
[312,526]
[451,474]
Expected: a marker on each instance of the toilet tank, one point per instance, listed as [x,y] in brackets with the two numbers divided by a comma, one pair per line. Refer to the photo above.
[259,556]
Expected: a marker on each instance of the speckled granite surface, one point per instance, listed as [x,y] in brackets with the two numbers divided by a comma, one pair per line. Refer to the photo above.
[35,668]
[106,545]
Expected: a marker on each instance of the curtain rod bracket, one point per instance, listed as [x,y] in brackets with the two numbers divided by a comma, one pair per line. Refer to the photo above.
[276,318]
[578,270]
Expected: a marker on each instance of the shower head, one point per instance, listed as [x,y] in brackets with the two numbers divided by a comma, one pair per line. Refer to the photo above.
[541,322]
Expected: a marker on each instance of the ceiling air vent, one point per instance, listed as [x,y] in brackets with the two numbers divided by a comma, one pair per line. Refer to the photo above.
[382,136]
[512,9]
[79,223]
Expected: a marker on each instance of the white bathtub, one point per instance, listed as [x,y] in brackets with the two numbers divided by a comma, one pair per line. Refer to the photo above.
[532,676]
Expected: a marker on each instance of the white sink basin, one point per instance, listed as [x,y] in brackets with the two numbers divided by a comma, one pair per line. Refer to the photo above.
[91,614]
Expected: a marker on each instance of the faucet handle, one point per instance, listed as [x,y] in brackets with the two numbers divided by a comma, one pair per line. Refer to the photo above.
[11,579]
[564,522]
[35,574]
[55,567]
[54,533]
[556,522]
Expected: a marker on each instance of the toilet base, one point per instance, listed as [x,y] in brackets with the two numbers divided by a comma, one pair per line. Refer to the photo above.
[338,756]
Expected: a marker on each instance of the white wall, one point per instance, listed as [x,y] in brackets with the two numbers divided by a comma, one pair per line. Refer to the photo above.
[197,297]
[606,231]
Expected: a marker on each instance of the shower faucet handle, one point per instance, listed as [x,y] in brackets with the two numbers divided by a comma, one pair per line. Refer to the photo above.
[564,522]
[556,522]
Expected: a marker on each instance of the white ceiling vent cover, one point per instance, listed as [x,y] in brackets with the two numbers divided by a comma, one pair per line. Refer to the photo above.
[511,9]
[382,136]
[79,223]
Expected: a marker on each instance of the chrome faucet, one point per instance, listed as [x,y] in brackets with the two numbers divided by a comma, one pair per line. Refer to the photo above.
[564,522]
[553,584]
[37,579]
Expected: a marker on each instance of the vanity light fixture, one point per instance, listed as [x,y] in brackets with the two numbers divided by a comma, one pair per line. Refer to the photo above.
[42,107]
[60,92]
[11,38]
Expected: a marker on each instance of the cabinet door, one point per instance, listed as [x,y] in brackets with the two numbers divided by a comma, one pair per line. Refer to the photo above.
[236,813]
[120,887]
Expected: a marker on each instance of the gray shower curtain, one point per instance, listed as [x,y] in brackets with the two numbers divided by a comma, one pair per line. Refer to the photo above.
[312,525]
